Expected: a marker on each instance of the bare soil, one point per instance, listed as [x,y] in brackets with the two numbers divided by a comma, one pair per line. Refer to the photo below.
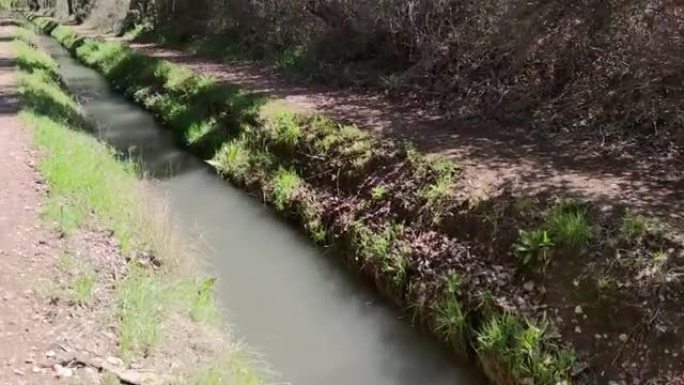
[643,173]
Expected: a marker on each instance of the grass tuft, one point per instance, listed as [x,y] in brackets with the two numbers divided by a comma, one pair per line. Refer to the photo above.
[286,184]
[526,348]
[570,226]
[633,227]
[142,301]
[451,321]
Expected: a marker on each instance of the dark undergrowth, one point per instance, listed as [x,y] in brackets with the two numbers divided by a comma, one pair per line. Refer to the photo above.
[509,280]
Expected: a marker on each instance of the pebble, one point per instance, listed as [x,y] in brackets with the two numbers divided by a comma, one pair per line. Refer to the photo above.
[50,353]
[18,372]
[528,286]
[578,330]
[623,337]
[62,372]
[36,369]
[115,361]
[578,309]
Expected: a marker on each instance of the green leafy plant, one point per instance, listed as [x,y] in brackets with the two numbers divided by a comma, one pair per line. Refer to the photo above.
[525,348]
[533,248]
[379,193]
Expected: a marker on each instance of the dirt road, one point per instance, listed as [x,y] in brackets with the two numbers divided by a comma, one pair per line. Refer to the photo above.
[27,250]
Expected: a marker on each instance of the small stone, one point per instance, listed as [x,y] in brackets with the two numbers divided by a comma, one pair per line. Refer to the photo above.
[623,337]
[115,361]
[528,286]
[62,372]
[597,336]
[18,372]
[606,208]
[36,369]
[578,309]
[578,330]
[50,353]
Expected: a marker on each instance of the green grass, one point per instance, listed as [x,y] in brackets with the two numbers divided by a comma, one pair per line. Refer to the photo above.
[633,227]
[286,129]
[526,348]
[379,193]
[286,184]
[373,245]
[570,226]
[233,159]
[83,287]
[451,321]
[142,303]
[90,185]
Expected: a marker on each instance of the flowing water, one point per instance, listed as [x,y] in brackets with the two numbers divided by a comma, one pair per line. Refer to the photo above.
[312,321]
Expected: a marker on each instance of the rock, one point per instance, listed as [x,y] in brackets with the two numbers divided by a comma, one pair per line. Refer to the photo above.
[606,208]
[36,369]
[528,286]
[18,372]
[62,372]
[623,337]
[578,330]
[116,361]
[50,353]
[578,309]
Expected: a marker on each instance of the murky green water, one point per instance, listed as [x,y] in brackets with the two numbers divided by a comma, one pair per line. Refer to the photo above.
[313,322]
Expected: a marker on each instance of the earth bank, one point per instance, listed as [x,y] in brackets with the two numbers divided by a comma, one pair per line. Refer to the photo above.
[512,280]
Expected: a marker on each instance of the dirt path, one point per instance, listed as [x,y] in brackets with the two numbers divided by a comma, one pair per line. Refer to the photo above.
[648,178]
[26,250]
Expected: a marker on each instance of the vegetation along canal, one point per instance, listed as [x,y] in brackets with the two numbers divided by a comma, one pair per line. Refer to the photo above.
[314,323]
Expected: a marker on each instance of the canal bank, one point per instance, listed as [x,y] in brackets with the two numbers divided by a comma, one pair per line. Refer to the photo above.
[312,321]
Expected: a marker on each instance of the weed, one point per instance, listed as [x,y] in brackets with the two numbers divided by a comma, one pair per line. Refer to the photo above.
[633,227]
[311,216]
[142,301]
[378,193]
[210,375]
[286,184]
[233,159]
[372,245]
[109,378]
[286,128]
[454,281]
[83,286]
[533,248]
[200,300]
[441,189]
[569,225]
[396,266]
[451,321]
[524,348]
[524,206]
[66,262]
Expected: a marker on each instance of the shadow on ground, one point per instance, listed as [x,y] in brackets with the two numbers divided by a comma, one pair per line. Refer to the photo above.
[644,174]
